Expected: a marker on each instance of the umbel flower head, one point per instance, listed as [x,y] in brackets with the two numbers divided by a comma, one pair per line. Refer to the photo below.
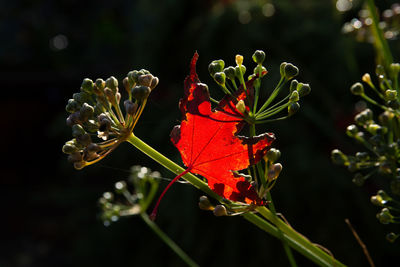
[95,113]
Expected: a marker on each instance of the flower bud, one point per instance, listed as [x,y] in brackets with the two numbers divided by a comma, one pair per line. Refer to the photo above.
[87,86]
[294,85]
[220,210]
[84,139]
[120,187]
[240,106]
[338,157]
[293,108]
[79,165]
[72,106]
[216,66]
[391,94]
[259,70]
[112,83]
[154,83]
[384,216]
[241,68]
[259,57]
[294,97]
[391,237]
[140,92]
[70,147]
[220,77]
[77,130]
[366,78]
[282,68]
[274,171]
[205,204]
[100,84]
[357,89]
[290,71]
[127,85]
[86,112]
[239,60]
[364,117]
[395,68]
[75,157]
[273,155]
[374,128]
[130,107]
[145,80]
[230,73]
[386,117]
[304,89]
[394,104]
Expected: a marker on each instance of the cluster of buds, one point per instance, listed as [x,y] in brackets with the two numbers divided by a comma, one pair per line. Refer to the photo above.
[125,201]
[96,111]
[361,27]
[232,78]
[380,135]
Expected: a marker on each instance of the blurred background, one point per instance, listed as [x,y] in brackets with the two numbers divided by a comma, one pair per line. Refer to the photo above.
[50,215]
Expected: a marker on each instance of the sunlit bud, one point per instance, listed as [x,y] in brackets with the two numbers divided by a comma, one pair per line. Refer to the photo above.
[395,68]
[220,77]
[290,71]
[240,106]
[75,157]
[273,155]
[130,107]
[230,73]
[120,187]
[358,179]
[282,68]
[338,157]
[145,80]
[72,106]
[366,78]
[81,97]
[364,117]
[391,94]
[395,186]
[293,85]
[205,204]
[293,108]
[100,84]
[386,117]
[391,237]
[112,83]
[77,130]
[216,66]
[259,57]
[140,92]
[154,83]
[362,156]
[376,200]
[374,128]
[70,147]
[274,171]
[220,210]
[304,89]
[384,216]
[357,89]
[127,85]
[238,69]
[87,85]
[384,196]
[294,96]
[239,60]
[86,112]
[259,69]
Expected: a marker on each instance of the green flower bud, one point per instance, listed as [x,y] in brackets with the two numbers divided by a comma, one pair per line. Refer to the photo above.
[290,71]
[70,147]
[294,97]
[87,86]
[240,106]
[220,210]
[216,66]
[77,130]
[120,187]
[112,83]
[86,112]
[205,204]
[357,89]
[141,92]
[338,157]
[374,128]
[282,68]
[358,179]
[100,84]
[273,155]
[386,117]
[127,85]
[220,77]
[395,68]
[259,70]
[365,117]
[230,73]
[81,97]
[72,106]
[259,57]
[293,108]
[303,90]
[294,84]
[154,83]
[391,94]
[237,70]
[384,216]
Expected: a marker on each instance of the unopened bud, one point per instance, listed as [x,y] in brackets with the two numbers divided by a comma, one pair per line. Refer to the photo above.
[273,155]
[130,107]
[338,157]
[140,92]
[240,106]
[120,187]
[294,96]
[77,130]
[384,216]
[87,85]
[391,94]
[282,68]
[259,57]
[205,204]
[290,71]
[69,148]
[366,78]
[86,112]
[386,117]
[260,70]
[127,85]
[72,106]
[240,71]
[75,157]
[294,85]
[112,83]
[374,128]
[357,89]
[220,77]
[216,66]
[100,84]
[220,210]
[304,90]
[395,68]
[154,83]
[145,80]
[230,73]
[293,108]
[391,237]
[79,165]
[239,60]
[274,171]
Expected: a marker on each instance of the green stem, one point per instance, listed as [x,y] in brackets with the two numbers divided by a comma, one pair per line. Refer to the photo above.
[384,49]
[295,240]
[168,240]
[273,95]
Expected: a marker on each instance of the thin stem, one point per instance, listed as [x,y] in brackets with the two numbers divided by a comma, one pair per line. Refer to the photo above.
[273,95]
[168,240]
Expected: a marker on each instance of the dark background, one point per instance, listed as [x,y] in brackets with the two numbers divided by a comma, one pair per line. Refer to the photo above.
[49,211]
